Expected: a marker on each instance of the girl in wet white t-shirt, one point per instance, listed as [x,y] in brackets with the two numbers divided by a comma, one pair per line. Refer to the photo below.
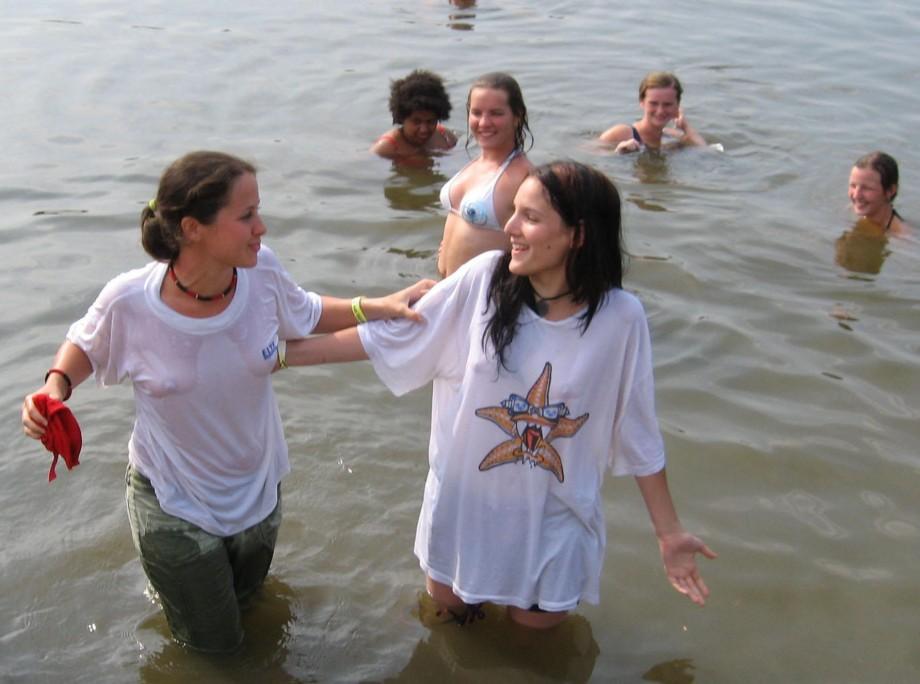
[542,374]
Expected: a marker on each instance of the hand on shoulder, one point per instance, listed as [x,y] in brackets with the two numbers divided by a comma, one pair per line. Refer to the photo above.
[396,305]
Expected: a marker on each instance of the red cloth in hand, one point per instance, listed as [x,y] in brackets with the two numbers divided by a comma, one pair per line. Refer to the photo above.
[62,436]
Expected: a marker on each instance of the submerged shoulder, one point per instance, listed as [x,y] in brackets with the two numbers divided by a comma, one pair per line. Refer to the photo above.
[385,145]
[899,228]
[616,134]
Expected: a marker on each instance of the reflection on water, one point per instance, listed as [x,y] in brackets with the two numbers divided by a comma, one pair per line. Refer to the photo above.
[643,203]
[679,671]
[423,254]
[414,187]
[652,167]
[462,21]
[497,649]
[863,248]
[267,621]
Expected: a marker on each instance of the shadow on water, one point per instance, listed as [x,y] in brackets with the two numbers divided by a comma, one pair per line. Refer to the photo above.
[414,186]
[497,649]
[862,249]
[267,622]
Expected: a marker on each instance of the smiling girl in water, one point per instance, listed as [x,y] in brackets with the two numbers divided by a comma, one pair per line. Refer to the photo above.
[659,99]
[872,189]
[478,199]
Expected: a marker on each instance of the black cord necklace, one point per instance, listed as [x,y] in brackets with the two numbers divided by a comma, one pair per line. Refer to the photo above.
[200,297]
[541,307]
[891,218]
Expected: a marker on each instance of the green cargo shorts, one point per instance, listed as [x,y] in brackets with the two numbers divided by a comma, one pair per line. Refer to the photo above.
[200,578]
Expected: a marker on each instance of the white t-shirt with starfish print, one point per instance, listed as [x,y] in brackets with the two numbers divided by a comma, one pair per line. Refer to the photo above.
[512,511]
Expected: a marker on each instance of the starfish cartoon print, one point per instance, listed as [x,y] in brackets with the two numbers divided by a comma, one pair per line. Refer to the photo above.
[535,413]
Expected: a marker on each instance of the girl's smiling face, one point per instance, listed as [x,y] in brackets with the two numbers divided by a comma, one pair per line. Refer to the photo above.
[491,120]
[660,105]
[540,240]
[234,237]
[867,196]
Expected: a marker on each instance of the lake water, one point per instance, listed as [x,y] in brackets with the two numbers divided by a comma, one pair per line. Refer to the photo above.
[787,366]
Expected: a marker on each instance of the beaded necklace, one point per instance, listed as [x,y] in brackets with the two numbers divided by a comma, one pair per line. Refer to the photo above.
[200,297]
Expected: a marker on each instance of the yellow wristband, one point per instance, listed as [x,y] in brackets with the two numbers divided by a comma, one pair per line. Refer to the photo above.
[357,310]
[282,350]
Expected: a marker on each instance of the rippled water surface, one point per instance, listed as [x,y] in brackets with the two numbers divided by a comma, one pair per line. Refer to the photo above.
[786,344]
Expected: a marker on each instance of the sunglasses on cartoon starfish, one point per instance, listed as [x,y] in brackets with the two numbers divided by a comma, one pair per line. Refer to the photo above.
[518,404]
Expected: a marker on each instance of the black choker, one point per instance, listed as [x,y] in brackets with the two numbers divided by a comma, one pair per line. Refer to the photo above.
[541,307]
[196,295]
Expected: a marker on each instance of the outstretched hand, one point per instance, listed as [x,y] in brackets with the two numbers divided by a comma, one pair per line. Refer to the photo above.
[398,304]
[678,552]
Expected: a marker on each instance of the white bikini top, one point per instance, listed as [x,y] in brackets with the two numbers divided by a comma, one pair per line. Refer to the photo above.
[477,207]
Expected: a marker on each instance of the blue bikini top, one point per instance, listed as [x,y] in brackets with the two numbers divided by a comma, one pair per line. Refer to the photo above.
[477,207]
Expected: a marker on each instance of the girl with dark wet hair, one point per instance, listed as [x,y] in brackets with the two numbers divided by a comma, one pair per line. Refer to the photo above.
[872,189]
[542,381]
[198,331]
[418,103]
[478,199]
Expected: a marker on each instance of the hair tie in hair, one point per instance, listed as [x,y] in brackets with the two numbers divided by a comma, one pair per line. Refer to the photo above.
[152,204]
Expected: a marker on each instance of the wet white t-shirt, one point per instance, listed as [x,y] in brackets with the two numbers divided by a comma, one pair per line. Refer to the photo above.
[207,432]
[512,511]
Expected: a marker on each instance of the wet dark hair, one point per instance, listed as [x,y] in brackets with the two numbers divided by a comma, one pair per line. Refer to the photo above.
[660,79]
[419,91]
[885,166]
[501,81]
[196,185]
[588,203]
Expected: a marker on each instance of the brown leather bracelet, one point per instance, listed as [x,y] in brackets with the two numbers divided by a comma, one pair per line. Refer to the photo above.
[66,379]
